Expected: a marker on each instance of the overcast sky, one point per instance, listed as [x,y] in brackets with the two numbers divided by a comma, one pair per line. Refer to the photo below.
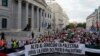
[78,10]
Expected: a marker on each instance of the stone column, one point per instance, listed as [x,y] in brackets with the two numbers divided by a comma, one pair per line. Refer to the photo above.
[99,18]
[19,14]
[32,17]
[37,18]
[41,11]
[43,20]
[27,10]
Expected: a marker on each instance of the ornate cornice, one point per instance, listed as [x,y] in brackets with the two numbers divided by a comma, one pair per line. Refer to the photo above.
[41,2]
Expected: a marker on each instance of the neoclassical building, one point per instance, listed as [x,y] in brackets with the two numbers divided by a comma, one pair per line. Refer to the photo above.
[24,15]
[18,14]
[93,20]
[60,18]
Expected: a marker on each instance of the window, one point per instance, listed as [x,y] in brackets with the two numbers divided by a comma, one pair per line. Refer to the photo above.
[4,23]
[42,13]
[48,15]
[5,3]
[45,15]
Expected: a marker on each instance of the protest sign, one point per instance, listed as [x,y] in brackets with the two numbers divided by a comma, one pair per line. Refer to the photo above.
[39,48]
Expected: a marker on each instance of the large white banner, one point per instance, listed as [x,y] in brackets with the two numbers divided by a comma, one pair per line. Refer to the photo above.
[39,48]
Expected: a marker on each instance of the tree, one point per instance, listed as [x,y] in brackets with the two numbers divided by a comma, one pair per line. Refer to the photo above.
[70,26]
[83,25]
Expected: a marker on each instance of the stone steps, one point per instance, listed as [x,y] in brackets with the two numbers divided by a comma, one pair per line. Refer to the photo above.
[17,35]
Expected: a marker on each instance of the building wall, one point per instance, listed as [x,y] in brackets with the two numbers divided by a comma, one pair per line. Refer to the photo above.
[93,20]
[89,23]
[57,15]
[65,19]
[6,12]
[60,18]
[11,13]
[99,16]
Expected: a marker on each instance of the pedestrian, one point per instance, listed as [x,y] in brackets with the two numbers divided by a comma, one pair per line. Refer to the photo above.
[14,44]
[2,43]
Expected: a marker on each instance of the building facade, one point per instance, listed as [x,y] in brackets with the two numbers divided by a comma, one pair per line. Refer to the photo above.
[65,20]
[90,21]
[59,16]
[24,15]
[93,20]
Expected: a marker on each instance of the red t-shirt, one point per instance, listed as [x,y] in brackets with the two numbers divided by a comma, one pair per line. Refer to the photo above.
[2,43]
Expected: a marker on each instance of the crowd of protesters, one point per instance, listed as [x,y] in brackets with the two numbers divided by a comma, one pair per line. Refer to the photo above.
[72,36]
[68,36]
[13,46]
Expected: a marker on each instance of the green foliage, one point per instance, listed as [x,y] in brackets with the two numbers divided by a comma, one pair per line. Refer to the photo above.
[83,25]
[71,25]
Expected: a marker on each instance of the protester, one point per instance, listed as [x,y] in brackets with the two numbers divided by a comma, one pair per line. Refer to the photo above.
[2,43]
[67,36]
[14,44]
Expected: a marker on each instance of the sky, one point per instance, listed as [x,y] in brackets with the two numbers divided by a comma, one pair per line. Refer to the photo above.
[78,10]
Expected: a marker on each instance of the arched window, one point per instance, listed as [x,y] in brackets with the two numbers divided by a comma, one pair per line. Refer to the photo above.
[4,23]
[5,3]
